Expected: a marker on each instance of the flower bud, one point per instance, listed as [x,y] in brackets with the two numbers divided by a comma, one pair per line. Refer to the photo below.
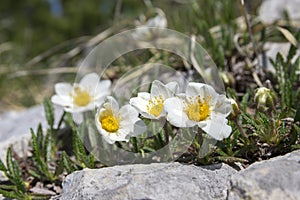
[265,99]
[235,109]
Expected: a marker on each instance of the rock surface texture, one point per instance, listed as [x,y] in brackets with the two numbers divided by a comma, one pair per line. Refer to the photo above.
[161,181]
[273,10]
[277,178]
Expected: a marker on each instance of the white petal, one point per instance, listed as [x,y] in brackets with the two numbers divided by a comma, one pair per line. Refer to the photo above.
[128,112]
[108,140]
[149,116]
[102,89]
[216,126]
[111,103]
[144,95]
[63,89]
[139,103]
[176,115]
[131,121]
[78,118]
[90,81]
[76,109]
[120,135]
[202,90]
[193,89]
[173,86]
[98,102]
[223,105]
[158,88]
[158,21]
[139,128]
[59,100]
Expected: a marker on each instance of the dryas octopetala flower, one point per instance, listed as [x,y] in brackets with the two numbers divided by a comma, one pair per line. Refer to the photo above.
[118,124]
[151,105]
[146,31]
[90,92]
[200,106]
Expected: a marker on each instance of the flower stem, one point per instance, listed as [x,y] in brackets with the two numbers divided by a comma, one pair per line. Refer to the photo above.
[273,127]
[166,131]
[199,137]
[61,120]
[134,143]
[240,128]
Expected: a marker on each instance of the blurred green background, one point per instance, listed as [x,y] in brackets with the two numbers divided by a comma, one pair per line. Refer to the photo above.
[40,37]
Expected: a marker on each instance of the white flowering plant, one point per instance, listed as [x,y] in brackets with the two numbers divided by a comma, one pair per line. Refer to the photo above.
[199,106]
[254,117]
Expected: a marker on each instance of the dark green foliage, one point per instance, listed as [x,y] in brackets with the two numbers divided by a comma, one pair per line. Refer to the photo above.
[49,111]
[42,155]
[297,116]
[13,173]
[288,81]
[83,158]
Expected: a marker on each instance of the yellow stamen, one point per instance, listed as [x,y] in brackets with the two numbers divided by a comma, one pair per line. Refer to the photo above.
[196,109]
[156,105]
[108,121]
[81,97]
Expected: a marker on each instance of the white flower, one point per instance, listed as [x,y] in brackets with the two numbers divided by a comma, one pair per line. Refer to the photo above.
[144,32]
[158,21]
[151,105]
[200,106]
[116,124]
[90,92]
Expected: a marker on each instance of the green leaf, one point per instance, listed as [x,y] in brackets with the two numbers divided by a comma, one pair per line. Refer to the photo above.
[9,194]
[59,169]
[18,178]
[40,136]
[2,166]
[49,112]
[70,122]
[295,146]
[47,147]
[14,172]
[244,102]
[9,161]
[250,121]
[297,116]
[148,149]
[42,167]
[292,52]
[67,162]
[34,174]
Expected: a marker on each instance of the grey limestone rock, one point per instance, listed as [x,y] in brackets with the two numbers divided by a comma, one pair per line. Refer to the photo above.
[273,10]
[277,178]
[155,181]
[15,130]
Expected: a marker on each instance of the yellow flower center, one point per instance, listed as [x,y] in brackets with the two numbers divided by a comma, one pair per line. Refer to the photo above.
[156,105]
[109,122]
[196,109]
[81,97]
